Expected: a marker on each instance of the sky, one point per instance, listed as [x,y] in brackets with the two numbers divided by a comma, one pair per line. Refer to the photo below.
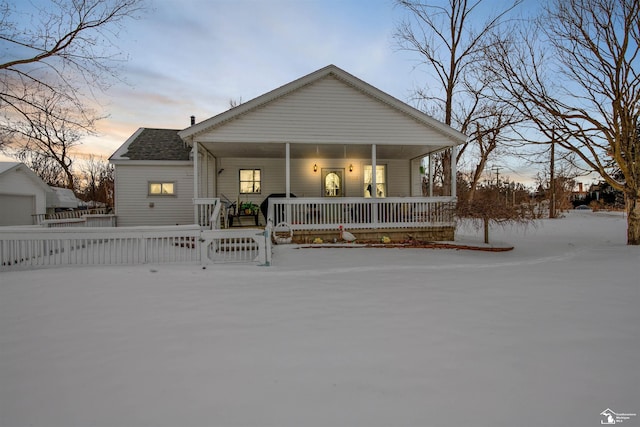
[193,57]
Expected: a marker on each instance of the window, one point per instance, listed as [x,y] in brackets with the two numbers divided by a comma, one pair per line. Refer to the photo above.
[162,189]
[381,181]
[249,181]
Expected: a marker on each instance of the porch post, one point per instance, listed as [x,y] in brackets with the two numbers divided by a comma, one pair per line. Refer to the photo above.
[194,153]
[454,173]
[287,179]
[374,185]
[287,172]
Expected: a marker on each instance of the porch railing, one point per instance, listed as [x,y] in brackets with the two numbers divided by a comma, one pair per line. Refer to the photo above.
[207,212]
[73,214]
[107,220]
[356,212]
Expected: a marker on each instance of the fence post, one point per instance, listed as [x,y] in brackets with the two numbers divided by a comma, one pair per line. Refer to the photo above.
[264,250]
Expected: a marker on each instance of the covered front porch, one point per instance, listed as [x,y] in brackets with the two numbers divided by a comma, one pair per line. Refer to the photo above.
[335,150]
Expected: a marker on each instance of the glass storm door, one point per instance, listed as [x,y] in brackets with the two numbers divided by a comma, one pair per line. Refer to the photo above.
[332,182]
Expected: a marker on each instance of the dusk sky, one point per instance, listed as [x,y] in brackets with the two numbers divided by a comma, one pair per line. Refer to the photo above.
[193,57]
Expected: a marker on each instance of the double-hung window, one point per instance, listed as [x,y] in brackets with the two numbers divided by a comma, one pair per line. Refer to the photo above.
[250,181]
[381,181]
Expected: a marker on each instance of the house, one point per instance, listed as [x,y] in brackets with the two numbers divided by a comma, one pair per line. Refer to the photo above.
[350,153]
[22,194]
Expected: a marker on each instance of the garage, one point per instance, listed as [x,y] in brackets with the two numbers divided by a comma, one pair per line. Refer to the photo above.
[17,209]
[22,194]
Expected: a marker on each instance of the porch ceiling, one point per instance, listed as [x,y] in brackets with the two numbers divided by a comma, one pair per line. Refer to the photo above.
[313,151]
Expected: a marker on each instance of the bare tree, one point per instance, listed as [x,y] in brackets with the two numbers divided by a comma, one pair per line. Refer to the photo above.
[46,168]
[61,51]
[491,205]
[448,44]
[96,181]
[47,129]
[575,77]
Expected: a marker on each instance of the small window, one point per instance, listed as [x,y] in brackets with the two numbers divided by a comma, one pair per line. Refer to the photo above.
[250,181]
[162,189]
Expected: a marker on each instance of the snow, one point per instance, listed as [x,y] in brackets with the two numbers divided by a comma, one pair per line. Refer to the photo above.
[546,334]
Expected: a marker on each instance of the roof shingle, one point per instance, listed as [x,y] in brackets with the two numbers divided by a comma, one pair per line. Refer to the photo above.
[158,144]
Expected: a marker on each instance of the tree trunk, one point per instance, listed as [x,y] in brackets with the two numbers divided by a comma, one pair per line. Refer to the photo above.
[486,230]
[632,201]
[446,172]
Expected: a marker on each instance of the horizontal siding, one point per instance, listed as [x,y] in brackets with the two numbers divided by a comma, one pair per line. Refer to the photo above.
[16,182]
[327,111]
[305,182]
[132,199]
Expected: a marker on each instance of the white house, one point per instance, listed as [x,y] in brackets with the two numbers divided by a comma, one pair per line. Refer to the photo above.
[319,138]
[22,194]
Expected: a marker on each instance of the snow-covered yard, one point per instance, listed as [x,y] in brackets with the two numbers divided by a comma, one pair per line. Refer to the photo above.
[547,334]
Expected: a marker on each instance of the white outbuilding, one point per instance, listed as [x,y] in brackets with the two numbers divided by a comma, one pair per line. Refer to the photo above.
[22,194]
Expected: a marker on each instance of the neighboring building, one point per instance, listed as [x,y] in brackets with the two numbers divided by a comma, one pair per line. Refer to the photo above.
[61,199]
[22,194]
[319,137]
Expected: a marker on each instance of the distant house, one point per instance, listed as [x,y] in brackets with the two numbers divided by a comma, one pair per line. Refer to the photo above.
[22,194]
[351,153]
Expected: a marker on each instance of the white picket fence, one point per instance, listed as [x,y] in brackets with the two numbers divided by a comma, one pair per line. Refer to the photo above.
[26,248]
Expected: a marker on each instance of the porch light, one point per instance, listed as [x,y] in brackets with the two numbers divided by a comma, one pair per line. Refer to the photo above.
[350,167]
[315,167]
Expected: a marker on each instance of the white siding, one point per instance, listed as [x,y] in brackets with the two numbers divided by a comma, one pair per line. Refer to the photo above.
[16,182]
[305,182]
[133,203]
[327,111]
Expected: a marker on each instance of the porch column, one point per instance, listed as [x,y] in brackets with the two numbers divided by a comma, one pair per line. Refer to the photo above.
[287,166]
[374,192]
[287,179]
[454,151]
[196,176]
[374,185]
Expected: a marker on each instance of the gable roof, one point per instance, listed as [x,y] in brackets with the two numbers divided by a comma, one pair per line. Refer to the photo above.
[153,144]
[7,167]
[331,70]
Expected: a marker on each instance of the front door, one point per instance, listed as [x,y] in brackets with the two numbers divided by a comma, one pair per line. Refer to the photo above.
[332,182]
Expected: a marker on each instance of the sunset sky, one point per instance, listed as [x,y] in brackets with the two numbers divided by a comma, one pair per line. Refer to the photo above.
[193,57]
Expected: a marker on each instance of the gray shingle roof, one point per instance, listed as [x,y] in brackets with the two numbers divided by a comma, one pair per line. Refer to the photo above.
[158,144]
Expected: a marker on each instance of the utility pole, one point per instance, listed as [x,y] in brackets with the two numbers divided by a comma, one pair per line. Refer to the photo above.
[552,185]
[497,170]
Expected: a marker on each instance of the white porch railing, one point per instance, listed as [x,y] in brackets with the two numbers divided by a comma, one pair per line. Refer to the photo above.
[78,213]
[107,220]
[35,247]
[207,212]
[356,212]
